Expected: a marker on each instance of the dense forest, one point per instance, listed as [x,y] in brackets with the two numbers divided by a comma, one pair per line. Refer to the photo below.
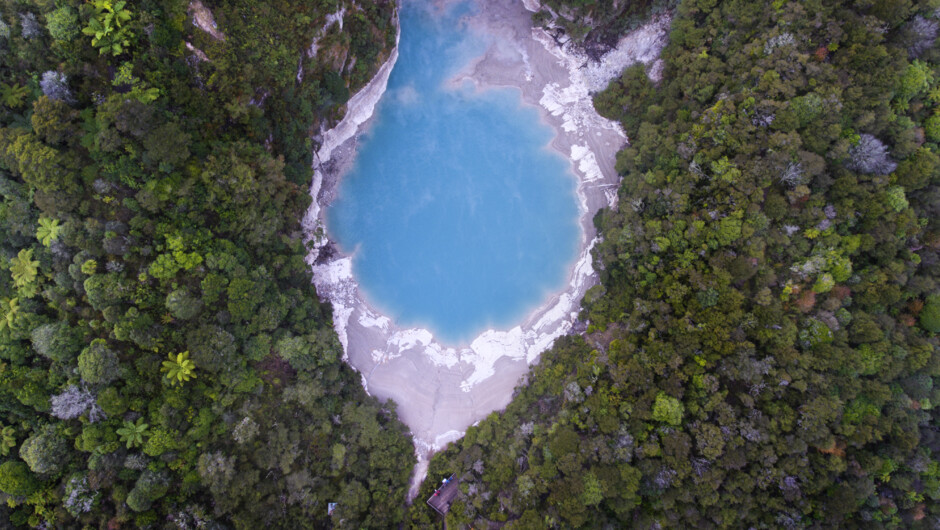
[164,359]
[762,349]
[760,353]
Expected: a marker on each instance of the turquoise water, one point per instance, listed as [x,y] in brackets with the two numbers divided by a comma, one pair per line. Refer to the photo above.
[458,215]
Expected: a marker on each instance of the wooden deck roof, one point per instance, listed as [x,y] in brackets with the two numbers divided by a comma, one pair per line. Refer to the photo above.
[445,496]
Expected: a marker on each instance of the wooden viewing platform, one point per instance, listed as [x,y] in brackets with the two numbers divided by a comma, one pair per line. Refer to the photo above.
[445,496]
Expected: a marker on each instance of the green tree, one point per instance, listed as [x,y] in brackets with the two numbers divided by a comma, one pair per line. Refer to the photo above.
[57,341]
[930,314]
[48,231]
[915,79]
[896,198]
[668,409]
[149,487]
[7,439]
[98,364]
[16,479]
[160,441]
[53,121]
[932,128]
[133,433]
[63,24]
[24,269]
[13,95]
[44,451]
[824,283]
[179,368]
[11,312]
[107,27]
[42,167]
[182,304]
[593,492]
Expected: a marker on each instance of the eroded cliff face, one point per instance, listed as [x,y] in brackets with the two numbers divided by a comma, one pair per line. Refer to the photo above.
[298,63]
[335,151]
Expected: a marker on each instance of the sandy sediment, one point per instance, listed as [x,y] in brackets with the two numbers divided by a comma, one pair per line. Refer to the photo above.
[441,390]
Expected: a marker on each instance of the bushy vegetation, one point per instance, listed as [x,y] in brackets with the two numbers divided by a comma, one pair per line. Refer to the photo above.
[764,351]
[164,358]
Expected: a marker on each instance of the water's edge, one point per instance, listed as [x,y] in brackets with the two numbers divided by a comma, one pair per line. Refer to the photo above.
[440,391]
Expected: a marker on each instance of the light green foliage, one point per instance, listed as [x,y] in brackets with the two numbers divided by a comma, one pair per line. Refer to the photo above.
[729,229]
[111,402]
[13,96]
[824,283]
[48,230]
[725,170]
[182,304]
[89,267]
[593,494]
[869,359]
[56,341]
[930,314]
[7,439]
[159,442]
[97,438]
[10,308]
[63,23]
[815,333]
[125,77]
[916,79]
[896,198]
[932,128]
[24,269]
[16,479]
[339,456]
[668,409]
[840,267]
[149,487]
[98,364]
[167,265]
[132,433]
[179,368]
[807,108]
[44,451]
[857,410]
[107,27]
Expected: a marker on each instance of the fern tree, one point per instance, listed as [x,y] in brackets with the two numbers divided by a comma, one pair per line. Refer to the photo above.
[179,368]
[132,433]
[48,230]
[106,27]
[24,270]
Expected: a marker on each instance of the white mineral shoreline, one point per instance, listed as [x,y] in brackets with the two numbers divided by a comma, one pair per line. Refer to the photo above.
[441,390]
